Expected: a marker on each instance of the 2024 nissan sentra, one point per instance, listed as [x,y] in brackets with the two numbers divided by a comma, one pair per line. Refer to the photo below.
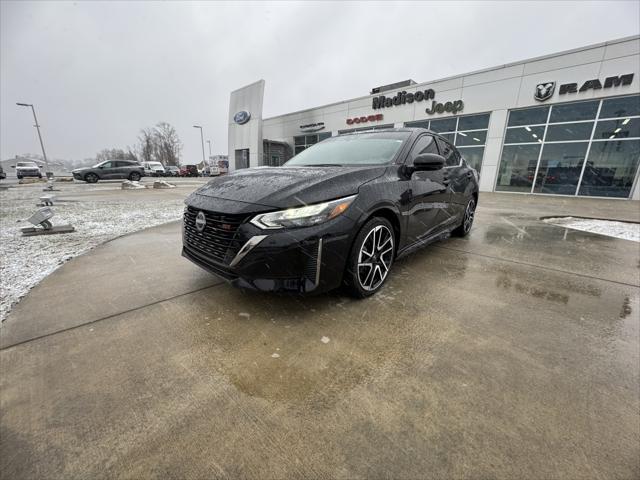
[337,213]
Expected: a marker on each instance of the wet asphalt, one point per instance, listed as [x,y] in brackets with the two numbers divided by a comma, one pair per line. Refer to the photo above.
[513,353]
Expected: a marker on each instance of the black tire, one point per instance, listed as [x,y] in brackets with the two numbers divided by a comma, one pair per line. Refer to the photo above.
[357,278]
[467,219]
[91,178]
[134,176]
[19,177]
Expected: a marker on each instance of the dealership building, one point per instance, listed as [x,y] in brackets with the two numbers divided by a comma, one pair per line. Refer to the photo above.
[562,124]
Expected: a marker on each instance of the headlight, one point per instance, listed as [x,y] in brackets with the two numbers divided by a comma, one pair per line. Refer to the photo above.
[306,216]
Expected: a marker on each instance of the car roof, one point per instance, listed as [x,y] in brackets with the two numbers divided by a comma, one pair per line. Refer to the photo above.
[414,130]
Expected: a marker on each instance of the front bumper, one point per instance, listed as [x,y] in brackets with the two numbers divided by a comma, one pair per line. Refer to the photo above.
[302,260]
[28,173]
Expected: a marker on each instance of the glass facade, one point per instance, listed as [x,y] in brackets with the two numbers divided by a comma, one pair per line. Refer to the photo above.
[589,148]
[305,141]
[468,133]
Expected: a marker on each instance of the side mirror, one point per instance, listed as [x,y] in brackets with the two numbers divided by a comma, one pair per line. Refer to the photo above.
[40,166]
[428,161]
[13,166]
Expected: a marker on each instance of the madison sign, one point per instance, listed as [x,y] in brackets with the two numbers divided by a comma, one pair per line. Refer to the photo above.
[545,90]
[402,98]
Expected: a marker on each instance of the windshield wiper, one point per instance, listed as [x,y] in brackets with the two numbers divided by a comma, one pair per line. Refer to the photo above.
[324,165]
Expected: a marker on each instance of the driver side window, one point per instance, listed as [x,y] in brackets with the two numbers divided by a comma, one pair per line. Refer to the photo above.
[450,154]
[107,165]
[424,144]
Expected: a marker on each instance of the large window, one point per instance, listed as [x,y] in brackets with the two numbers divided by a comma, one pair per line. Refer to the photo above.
[305,141]
[580,148]
[468,133]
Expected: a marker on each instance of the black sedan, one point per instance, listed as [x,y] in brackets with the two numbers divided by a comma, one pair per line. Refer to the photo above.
[337,213]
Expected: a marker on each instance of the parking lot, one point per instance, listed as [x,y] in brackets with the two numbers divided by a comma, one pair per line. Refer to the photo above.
[511,353]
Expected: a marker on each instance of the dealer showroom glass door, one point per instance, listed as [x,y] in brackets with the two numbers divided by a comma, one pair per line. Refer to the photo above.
[588,148]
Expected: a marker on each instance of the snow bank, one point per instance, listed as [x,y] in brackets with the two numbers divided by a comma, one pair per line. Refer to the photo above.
[624,230]
[25,261]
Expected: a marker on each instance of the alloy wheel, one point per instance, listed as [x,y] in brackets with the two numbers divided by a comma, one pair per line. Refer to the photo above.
[469,213]
[375,257]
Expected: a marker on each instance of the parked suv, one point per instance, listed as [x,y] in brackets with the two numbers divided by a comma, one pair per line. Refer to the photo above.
[27,169]
[189,171]
[110,170]
[172,171]
[340,211]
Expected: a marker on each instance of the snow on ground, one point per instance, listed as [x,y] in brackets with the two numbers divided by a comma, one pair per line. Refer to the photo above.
[25,261]
[624,230]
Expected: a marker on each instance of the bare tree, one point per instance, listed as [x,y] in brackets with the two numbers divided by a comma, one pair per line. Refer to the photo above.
[115,154]
[167,143]
[147,145]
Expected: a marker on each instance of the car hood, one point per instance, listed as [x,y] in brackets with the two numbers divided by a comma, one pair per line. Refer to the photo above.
[284,187]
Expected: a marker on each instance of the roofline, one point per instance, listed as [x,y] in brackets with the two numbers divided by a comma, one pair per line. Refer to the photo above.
[474,72]
[249,85]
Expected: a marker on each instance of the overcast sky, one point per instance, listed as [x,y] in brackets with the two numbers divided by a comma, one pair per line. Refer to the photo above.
[99,72]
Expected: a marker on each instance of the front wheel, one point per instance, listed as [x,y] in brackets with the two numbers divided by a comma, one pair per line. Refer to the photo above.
[467,220]
[371,258]
[134,176]
[91,178]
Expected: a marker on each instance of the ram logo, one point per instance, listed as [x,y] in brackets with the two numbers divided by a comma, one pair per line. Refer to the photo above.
[544,91]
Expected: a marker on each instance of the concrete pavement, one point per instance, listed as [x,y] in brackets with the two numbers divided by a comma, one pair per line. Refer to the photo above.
[511,353]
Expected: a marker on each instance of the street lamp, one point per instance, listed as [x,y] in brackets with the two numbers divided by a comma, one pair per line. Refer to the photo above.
[48,173]
[201,140]
[209,142]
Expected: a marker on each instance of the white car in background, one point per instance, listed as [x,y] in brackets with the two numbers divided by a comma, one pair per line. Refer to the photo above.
[153,169]
[212,171]
[27,169]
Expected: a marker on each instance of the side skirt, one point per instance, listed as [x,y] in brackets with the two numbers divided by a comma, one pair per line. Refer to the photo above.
[424,242]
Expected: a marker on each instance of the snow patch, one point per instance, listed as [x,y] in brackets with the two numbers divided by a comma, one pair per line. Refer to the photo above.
[25,261]
[611,228]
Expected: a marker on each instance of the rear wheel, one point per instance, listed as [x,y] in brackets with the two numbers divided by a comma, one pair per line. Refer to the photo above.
[91,178]
[467,219]
[371,258]
[134,176]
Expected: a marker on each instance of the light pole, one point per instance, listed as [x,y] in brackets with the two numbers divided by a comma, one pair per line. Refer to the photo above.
[48,173]
[209,142]
[202,140]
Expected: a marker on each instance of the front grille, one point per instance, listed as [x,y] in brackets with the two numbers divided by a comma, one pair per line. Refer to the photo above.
[218,239]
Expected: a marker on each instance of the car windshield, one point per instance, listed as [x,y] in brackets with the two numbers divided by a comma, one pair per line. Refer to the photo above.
[27,164]
[376,148]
